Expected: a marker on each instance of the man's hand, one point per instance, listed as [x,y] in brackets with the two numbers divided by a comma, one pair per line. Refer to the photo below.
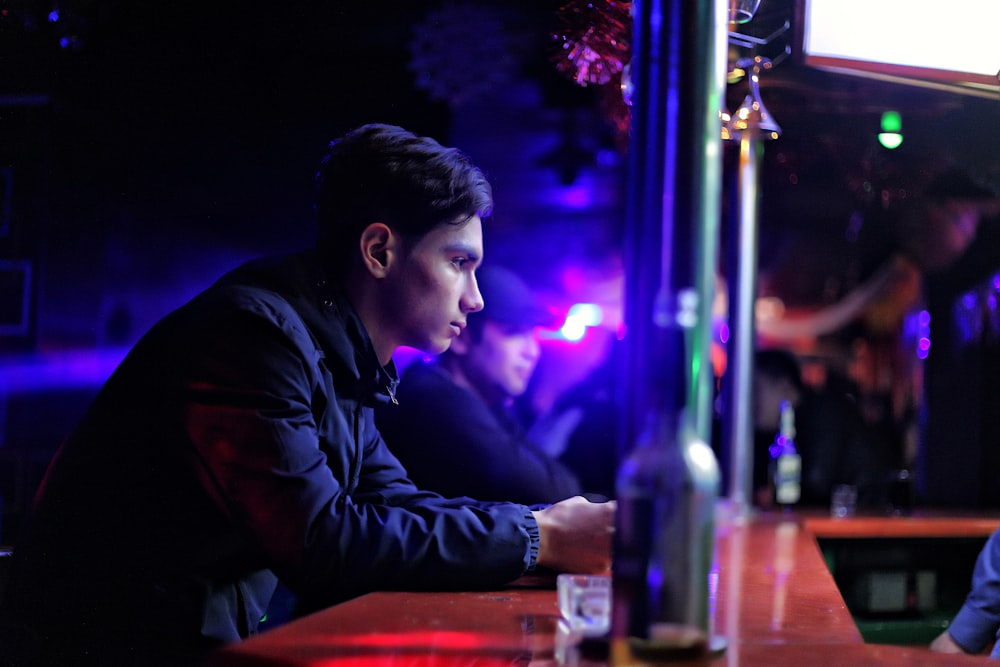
[575,536]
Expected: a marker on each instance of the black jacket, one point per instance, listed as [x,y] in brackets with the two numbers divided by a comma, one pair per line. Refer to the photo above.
[451,442]
[235,445]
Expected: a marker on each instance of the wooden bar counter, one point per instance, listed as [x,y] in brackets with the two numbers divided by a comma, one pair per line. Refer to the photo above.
[774,603]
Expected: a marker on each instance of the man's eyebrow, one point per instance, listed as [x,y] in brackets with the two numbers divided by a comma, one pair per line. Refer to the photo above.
[463,249]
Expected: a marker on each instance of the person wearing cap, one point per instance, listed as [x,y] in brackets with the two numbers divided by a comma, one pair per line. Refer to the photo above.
[453,428]
[940,229]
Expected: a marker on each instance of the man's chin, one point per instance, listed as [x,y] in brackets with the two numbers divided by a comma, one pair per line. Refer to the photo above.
[436,347]
[510,386]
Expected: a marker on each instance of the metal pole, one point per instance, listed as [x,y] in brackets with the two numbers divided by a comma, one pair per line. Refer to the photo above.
[708,213]
[674,200]
[742,332]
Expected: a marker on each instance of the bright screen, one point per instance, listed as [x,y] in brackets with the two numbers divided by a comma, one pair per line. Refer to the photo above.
[954,41]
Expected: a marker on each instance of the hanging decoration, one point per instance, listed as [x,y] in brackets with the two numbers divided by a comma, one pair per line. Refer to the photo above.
[592,47]
[614,103]
[465,50]
[593,44]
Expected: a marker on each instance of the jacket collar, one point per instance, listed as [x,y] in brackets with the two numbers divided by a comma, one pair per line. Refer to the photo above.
[334,324]
[377,382]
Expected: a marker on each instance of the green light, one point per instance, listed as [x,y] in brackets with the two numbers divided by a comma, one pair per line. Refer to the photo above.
[891,122]
[891,135]
[890,139]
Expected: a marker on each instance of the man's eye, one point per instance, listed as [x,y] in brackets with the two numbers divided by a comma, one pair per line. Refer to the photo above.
[459,262]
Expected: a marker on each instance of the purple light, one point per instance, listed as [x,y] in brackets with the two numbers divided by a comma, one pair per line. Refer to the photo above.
[573,331]
[924,318]
[54,16]
[854,226]
[776,447]
[59,370]
[580,317]
[577,197]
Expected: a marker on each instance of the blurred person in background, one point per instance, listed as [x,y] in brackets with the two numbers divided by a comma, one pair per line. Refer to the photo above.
[581,428]
[830,434]
[454,428]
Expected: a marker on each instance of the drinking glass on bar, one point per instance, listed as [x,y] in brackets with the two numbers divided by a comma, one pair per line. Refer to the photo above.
[843,501]
[901,492]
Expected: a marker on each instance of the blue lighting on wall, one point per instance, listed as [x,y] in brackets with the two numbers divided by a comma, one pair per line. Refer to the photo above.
[917,332]
[923,334]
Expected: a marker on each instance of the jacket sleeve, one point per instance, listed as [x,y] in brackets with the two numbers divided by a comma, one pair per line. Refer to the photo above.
[252,423]
[976,623]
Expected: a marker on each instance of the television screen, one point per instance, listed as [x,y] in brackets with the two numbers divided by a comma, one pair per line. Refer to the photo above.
[952,45]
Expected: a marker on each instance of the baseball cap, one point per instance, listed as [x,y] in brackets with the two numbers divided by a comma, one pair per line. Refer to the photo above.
[509,300]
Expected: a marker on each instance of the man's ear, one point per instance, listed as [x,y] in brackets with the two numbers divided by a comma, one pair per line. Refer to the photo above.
[380,246]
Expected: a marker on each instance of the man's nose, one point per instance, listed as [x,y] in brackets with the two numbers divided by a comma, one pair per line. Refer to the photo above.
[532,348]
[474,298]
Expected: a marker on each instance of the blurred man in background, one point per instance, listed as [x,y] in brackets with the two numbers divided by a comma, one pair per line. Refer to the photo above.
[830,434]
[454,429]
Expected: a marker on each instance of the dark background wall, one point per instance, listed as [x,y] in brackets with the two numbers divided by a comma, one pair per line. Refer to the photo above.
[150,147]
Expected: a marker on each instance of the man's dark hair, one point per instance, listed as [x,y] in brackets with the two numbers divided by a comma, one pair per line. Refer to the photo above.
[383,173]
